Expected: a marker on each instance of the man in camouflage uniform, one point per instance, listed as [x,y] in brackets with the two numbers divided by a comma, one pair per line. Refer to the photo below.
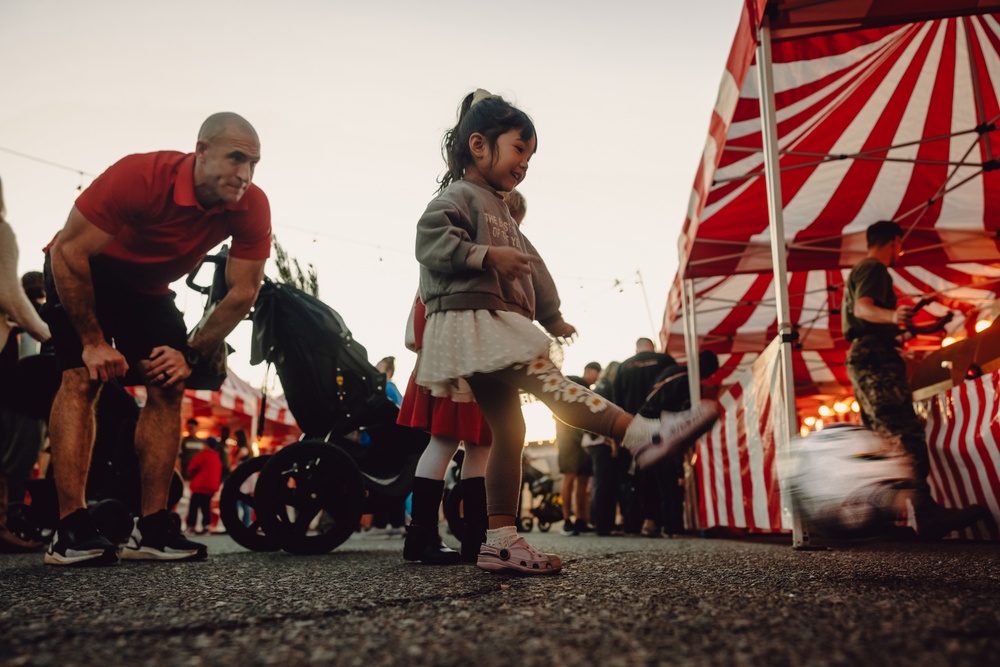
[871,322]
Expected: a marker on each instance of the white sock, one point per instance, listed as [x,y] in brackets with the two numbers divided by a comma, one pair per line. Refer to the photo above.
[437,455]
[501,538]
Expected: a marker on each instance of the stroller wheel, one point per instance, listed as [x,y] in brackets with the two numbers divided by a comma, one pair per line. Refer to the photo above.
[237,500]
[525,524]
[309,497]
[544,526]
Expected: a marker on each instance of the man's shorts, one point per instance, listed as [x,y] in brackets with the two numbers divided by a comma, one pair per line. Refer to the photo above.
[573,458]
[133,322]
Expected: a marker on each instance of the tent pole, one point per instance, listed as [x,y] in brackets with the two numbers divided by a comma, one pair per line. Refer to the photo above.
[691,340]
[772,171]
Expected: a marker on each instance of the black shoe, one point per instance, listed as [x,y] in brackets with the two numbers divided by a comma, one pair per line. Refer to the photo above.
[582,527]
[158,537]
[423,544]
[935,521]
[569,527]
[77,542]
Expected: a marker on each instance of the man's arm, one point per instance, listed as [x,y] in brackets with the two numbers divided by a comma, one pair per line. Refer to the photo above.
[243,277]
[865,309]
[70,256]
[167,366]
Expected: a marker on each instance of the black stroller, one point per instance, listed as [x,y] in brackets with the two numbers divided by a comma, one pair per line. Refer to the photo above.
[544,504]
[309,497]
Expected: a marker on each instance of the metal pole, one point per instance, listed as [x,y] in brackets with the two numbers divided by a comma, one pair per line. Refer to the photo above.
[691,340]
[776,221]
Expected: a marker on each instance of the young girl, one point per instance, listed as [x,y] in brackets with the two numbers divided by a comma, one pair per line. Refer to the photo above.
[483,283]
[449,422]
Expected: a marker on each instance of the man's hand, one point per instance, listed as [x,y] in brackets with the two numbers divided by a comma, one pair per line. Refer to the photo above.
[508,262]
[103,362]
[903,316]
[165,367]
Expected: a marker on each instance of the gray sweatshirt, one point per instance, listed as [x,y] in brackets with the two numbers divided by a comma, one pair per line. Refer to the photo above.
[453,235]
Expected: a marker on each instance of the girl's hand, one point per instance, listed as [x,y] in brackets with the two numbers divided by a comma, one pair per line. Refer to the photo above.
[561,329]
[508,262]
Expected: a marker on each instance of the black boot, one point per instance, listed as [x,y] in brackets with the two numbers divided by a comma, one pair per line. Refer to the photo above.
[474,502]
[423,543]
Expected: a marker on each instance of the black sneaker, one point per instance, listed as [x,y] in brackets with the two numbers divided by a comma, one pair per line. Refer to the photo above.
[582,527]
[569,527]
[77,542]
[935,521]
[158,537]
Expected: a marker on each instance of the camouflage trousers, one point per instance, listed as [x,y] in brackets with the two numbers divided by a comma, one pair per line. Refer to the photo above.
[878,375]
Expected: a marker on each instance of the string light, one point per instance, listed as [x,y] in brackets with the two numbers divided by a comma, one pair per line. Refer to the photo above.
[948,340]
[825,411]
[983,324]
[840,407]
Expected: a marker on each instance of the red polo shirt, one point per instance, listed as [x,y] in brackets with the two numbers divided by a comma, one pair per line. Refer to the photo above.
[161,232]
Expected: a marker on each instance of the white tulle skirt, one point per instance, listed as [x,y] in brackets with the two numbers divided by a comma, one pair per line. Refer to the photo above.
[459,343]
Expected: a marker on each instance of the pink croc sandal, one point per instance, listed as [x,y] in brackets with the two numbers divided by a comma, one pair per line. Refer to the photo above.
[519,558]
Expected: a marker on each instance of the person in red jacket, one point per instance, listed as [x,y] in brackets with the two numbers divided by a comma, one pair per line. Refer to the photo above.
[205,471]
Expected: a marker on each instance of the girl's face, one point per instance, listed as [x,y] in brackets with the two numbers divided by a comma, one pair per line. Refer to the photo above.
[503,167]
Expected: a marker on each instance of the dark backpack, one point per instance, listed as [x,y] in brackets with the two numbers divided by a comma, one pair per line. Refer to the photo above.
[329,383]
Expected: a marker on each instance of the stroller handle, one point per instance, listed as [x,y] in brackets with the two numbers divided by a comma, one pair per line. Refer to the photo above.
[218,287]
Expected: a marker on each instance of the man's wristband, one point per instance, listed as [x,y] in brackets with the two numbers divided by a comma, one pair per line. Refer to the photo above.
[191,356]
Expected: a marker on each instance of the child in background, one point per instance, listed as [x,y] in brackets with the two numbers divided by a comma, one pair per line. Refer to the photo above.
[448,422]
[482,283]
[205,471]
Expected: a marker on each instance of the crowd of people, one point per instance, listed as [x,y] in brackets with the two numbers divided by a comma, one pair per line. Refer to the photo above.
[109,317]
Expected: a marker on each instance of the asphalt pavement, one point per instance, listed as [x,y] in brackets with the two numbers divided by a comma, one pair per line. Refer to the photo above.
[618,601]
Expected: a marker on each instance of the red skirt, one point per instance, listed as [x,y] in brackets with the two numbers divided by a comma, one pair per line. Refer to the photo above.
[442,416]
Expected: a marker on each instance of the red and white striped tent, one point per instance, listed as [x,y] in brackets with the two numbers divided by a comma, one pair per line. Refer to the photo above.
[876,117]
[237,404]
[832,114]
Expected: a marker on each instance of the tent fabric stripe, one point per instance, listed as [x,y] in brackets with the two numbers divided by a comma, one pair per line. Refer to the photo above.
[902,102]
[963,427]
[881,100]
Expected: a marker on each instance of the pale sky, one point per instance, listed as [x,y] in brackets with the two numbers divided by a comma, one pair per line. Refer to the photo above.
[351,100]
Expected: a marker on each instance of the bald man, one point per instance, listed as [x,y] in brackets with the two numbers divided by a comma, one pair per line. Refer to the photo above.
[142,224]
